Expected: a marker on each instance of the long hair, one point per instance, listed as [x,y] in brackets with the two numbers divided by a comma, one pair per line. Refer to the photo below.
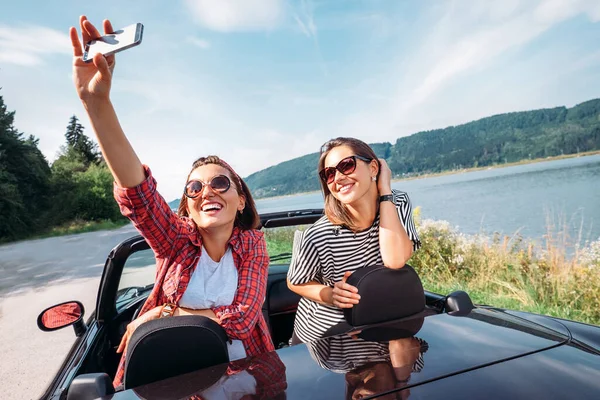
[336,212]
[248,218]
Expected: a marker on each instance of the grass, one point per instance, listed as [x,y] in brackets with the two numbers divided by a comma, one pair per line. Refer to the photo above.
[506,272]
[280,240]
[511,272]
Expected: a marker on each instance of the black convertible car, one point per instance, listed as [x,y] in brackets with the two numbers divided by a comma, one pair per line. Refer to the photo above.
[443,347]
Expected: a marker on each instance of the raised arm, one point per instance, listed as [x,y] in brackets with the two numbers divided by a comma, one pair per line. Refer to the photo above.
[93,81]
[136,191]
[396,247]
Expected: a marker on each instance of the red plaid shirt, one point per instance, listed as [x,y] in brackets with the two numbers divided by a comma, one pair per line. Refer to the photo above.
[268,371]
[177,245]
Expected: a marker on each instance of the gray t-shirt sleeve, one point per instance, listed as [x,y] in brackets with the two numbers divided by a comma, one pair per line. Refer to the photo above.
[304,266]
[404,208]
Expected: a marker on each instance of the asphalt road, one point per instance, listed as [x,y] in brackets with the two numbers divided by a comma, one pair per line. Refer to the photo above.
[37,274]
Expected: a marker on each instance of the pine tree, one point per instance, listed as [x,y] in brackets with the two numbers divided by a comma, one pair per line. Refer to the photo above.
[83,146]
[24,179]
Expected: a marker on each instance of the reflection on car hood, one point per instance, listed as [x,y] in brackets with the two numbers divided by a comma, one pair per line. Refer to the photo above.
[436,347]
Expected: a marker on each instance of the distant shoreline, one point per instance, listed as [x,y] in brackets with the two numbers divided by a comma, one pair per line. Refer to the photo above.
[458,171]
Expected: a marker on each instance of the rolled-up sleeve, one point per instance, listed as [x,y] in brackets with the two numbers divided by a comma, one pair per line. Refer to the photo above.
[305,264]
[239,318]
[150,214]
[405,212]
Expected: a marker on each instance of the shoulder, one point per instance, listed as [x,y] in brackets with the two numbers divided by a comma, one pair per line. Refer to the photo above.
[248,239]
[317,231]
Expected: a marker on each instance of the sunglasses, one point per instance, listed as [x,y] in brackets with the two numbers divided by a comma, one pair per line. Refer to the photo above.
[345,166]
[219,184]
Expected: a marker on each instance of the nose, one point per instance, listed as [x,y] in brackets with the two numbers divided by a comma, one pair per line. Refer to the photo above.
[207,191]
[338,176]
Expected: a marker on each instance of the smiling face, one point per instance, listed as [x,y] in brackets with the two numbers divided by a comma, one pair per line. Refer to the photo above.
[349,189]
[212,209]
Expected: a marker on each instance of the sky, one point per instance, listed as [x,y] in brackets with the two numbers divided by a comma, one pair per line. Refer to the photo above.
[258,82]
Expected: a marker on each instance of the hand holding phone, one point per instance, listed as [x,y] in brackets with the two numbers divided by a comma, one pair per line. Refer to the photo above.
[112,43]
[92,79]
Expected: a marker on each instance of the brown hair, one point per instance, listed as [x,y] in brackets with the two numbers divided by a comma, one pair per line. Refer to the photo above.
[373,378]
[248,218]
[335,211]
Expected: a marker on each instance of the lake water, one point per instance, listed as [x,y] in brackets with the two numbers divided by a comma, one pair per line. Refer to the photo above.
[563,194]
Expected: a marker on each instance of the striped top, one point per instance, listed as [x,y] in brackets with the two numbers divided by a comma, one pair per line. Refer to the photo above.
[324,252]
[342,353]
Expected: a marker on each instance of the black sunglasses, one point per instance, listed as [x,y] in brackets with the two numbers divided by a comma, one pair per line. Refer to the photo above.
[219,183]
[345,166]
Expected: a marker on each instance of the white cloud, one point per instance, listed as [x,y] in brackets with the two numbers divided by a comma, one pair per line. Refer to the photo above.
[237,15]
[198,42]
[467,40]
[305,19]
[27,45]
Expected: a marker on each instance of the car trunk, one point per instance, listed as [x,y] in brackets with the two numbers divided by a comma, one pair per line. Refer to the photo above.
[453,345]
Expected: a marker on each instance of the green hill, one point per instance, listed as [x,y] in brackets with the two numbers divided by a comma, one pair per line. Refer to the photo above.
[489,141]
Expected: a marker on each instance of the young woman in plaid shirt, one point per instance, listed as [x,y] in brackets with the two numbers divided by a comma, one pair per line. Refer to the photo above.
[211,260]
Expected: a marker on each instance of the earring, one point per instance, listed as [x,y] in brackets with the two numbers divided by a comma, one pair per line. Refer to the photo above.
[373,178]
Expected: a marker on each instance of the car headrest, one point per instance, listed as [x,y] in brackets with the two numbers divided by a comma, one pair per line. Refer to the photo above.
[459,303]
[385,295]
[167,347]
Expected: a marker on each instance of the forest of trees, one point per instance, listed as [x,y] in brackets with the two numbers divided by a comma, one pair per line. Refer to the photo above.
[489,141]
[36,196]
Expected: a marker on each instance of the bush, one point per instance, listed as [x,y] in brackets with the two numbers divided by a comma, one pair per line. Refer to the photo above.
[510,272]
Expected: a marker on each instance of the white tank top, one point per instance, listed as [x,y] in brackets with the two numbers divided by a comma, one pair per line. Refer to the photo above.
[214,284]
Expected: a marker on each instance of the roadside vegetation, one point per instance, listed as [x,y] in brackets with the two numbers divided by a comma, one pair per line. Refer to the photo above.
[38,199]
[555,277]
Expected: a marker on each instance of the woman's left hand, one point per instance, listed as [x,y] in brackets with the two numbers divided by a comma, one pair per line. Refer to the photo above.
[384,182]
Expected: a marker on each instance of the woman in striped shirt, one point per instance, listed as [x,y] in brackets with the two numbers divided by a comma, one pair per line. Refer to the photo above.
[365,223]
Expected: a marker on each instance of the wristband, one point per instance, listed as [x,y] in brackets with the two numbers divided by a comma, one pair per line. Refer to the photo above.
[168,310]
[386,197]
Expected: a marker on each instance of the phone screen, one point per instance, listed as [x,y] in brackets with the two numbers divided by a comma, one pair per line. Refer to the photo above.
[109,44]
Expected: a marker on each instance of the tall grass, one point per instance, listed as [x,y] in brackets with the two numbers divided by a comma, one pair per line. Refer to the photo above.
[501,271]
[509,272]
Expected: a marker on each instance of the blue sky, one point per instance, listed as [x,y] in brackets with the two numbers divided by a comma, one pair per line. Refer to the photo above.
[258,82]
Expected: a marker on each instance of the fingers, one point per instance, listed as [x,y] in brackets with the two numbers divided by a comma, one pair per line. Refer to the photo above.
[344,295]
[123,344]
[347,287]
[345,298]
[84,33]
[346,276]
[107,26]
[90,29]
[77,51]
[102,64]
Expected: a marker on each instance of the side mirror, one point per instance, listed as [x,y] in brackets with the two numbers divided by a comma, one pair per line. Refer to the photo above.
[61,315]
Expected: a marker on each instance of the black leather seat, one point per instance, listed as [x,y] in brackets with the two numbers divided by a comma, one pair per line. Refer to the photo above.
[167,347]
[279,308]
[390,299]
[386,295]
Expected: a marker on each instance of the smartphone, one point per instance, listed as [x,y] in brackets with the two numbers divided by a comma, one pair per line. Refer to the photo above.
[112,43]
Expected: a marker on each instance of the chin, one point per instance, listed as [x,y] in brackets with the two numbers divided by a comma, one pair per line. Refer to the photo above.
[210,222]
[348,197]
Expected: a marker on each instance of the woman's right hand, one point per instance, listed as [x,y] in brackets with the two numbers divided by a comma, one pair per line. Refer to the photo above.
[344,295]
[92,80]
